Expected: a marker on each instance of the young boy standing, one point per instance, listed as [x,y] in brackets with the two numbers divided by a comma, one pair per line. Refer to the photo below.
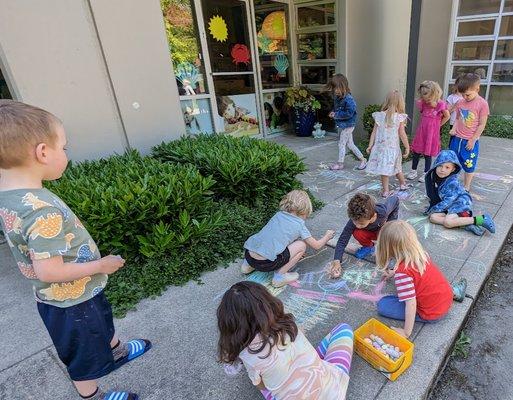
[54,250]
[365,221]
[471,116]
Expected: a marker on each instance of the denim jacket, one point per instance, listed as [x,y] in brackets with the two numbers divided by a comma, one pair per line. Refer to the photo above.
[449,194]
[345,111]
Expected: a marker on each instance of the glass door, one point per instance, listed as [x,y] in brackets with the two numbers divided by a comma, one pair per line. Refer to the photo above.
[232,67]
[274,61]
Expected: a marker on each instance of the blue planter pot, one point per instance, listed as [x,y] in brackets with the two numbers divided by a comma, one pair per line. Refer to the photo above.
[303,122]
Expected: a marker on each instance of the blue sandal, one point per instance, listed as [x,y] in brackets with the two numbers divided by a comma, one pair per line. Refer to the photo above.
[136,348]
[120,396]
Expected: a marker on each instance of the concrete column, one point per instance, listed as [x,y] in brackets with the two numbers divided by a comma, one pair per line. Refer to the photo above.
[53,60]
[134,43]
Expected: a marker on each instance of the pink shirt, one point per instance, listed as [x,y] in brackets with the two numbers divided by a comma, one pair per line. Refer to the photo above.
[470,114]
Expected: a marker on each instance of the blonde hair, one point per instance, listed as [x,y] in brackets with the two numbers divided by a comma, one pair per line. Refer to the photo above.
[432,90]
[297,202]
[22,128]
[394,103]
[398,240]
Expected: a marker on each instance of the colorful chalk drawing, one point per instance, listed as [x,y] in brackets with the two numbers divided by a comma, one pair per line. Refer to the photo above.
[315,297]
[421,225]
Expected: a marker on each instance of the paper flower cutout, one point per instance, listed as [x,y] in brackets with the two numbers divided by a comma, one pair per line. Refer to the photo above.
[218,29]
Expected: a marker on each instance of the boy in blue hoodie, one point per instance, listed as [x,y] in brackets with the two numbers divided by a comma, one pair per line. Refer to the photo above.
[450,204]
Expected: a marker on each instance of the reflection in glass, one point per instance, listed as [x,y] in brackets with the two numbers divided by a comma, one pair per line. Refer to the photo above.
[276,112]
[273,43]
[474,50]
[316,75]
[500,100]
[502,72]
[481,70]
[504,49]
[317,15]
[4,90]
[197,116]
[476,28]
[227,35]
[506,26]
[317,46]
[473,7]
[508,6]
[184,46]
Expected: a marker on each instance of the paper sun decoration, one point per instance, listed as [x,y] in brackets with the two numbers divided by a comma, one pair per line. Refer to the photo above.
[218,29]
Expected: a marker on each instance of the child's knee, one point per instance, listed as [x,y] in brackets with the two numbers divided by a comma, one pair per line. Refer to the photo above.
[449,223]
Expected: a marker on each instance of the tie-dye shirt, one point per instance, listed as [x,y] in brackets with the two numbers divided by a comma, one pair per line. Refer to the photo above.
[38,225]
[470,114]
[295,371]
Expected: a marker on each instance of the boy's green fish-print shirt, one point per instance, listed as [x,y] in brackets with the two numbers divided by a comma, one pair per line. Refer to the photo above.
[38,225]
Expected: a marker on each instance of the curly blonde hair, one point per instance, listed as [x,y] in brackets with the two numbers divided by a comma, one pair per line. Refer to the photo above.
[431,90]
[297,202]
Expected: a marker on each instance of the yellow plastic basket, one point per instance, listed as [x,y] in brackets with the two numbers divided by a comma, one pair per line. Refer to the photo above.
[391,369]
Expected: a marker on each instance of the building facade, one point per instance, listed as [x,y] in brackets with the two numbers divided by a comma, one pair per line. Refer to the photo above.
[134,73]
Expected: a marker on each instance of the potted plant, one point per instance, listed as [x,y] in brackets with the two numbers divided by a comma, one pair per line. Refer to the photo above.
[303,104]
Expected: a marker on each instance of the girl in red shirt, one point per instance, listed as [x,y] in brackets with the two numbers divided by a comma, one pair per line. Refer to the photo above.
[423,292]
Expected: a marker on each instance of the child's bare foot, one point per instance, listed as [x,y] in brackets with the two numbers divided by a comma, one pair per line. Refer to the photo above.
[334,269]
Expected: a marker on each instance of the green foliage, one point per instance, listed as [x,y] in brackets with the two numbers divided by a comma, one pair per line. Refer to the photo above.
[250,171]
[462,346]
[170,221]
[180,31]
[135,205]
[499,126]
[301,97]
[367,120]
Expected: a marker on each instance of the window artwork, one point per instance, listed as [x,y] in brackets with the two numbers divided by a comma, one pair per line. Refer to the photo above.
[184,46]
[197,116]
[273,43]
[218,28]
[276,112]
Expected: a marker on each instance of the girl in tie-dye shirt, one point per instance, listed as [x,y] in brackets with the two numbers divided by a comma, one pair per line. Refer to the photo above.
[280,361]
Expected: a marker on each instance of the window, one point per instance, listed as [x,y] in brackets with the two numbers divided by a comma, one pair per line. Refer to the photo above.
[316,42]
[4,90]
[476,28]
[482,43]
[476,7]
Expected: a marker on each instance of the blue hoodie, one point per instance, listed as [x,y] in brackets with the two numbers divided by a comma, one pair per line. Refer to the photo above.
[448,194]
[345,111]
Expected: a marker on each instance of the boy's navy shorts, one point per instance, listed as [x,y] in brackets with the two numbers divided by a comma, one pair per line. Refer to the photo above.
[82,334]
[467,158]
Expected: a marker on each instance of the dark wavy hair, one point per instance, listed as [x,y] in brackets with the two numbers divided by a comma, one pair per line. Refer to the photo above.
[338,82]
[361,206]
[248,309]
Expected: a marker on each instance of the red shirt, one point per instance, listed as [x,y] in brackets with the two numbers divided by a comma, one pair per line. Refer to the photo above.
[432,291]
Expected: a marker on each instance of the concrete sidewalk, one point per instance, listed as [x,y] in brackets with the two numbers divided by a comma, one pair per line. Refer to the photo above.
[182,325]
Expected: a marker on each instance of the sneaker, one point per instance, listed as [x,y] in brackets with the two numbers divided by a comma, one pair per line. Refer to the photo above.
[422,178]
[337,166]
[488,223]
[476,230]
[280,280]
[245,268]
[362,166]
[459,289]
[363,252]
[412,174]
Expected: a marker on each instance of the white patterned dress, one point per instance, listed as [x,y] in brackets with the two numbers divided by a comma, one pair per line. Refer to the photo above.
[385,158]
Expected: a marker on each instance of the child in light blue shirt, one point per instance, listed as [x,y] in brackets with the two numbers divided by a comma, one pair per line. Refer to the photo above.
[281,243]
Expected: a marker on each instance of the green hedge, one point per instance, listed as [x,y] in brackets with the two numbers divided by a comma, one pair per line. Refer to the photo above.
[244,169]
[499,126]
[170,220]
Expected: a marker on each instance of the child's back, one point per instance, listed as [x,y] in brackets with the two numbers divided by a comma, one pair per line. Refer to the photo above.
[38,225]
[294,371]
